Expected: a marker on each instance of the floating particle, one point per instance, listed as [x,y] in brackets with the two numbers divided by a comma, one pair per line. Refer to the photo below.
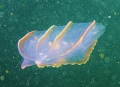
[107,59]
[11,13]
[109,16]
[5,50]
[102,55]
[6,71]
[2,78]
[114,13]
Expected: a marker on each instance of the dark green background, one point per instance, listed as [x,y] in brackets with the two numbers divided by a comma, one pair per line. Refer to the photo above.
[19,17]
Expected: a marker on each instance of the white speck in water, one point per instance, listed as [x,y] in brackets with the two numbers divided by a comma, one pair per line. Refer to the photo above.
[109,16]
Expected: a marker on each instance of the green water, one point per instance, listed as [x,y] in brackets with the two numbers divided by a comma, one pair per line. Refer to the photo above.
[18,17]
